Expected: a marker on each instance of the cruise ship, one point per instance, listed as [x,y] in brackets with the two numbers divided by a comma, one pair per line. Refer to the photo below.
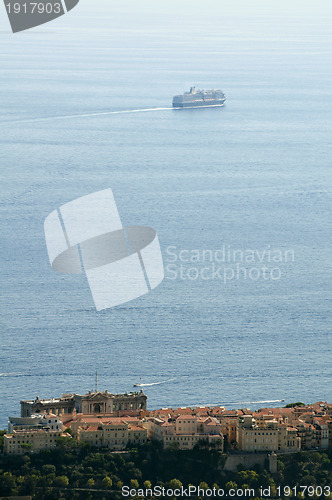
[196,97]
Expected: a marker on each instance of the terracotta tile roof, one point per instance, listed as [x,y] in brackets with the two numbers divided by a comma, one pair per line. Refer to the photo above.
[33,431]
[230,413]
[67,424]
[164,411]
[186,417]
[183,411]
[136,428]
[320,421]
[217,411]
[90,428]
[104,419]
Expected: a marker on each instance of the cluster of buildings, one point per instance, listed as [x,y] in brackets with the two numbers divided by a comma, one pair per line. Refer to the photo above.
[116,421]
[34,433]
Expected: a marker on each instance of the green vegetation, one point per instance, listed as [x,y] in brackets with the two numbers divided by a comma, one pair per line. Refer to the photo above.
[293,405]
[2,433]
[73,471]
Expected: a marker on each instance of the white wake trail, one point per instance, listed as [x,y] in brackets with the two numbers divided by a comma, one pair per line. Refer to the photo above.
[86,115]
[256,402]
[154,383]
[239,403]
[103,113]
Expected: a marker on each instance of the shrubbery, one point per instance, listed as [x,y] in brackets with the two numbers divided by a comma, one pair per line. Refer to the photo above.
[82,472]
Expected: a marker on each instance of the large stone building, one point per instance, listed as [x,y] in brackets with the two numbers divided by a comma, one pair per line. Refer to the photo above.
[56,406]
[104,402]
[266,434]
[30,440]
[185,431]
[90,403]
[114,433]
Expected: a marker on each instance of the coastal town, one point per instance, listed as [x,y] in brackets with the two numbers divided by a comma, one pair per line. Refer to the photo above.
[121,421]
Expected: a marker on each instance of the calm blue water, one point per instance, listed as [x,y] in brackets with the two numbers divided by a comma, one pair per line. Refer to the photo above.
[255,174]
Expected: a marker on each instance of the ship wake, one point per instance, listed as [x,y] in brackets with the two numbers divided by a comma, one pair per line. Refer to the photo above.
[86,115]
[154,383]
[101,113]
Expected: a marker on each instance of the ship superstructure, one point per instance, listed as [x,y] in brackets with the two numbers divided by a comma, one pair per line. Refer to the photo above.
[196,97]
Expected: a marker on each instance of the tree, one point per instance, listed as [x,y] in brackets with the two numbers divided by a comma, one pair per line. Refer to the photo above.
[26,446]
[203,486]
[7,483]
[280,465]
[231,485]
[2,433]
[48,469]
[119,485]
[174,484]
[61,482]
[308,480]
[107,483]
[317,457]
[66,442]
[135,473]
[147,485]
[249,476]
[265,480]
[29,485]
[90,483]
[134,484]
[202,444]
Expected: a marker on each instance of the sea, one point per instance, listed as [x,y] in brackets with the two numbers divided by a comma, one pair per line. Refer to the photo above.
[239,195]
